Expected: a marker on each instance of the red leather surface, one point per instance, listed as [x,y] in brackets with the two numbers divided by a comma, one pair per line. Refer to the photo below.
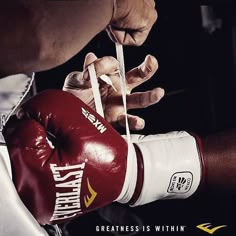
[76,140]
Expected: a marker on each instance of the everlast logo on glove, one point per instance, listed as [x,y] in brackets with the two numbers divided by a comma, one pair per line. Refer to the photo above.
[68,203]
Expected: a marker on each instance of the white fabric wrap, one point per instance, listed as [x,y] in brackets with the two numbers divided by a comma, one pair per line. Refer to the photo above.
[13,90]
[172,166]
[15,219]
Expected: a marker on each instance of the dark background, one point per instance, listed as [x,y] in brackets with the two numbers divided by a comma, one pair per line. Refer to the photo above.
[197,70]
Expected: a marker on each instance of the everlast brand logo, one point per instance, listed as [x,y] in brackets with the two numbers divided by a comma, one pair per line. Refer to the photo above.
[99,126]
[206,227]
[89,200]
[180,182]
[67,203]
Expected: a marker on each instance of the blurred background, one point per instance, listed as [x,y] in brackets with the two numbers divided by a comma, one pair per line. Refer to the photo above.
[196,49]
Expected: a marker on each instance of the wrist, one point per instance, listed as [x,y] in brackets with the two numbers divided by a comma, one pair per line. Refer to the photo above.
[220,159]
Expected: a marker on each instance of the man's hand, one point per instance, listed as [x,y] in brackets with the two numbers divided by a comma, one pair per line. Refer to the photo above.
[132,21]
[78,83]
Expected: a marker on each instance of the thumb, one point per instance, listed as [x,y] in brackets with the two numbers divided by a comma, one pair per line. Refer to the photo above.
[90,58]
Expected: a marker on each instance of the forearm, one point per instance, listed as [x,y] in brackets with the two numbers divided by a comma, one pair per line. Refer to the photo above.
[220,158]
[44,34]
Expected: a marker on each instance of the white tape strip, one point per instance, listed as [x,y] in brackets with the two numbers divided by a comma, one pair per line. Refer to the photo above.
[131,175]
[107,80]
[95,88]
[120,58]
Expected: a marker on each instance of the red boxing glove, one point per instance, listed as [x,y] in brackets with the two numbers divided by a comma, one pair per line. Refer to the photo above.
[83,166]
[67,160]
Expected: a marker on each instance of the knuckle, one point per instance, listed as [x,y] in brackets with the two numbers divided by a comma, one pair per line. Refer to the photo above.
[154,3]
[155,16]
[139,42]
[99,67]
[139,38]
[152,63]
[105,65]
[111,60]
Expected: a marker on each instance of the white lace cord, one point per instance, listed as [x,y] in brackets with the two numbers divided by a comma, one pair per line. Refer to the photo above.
[131,175]
[120,58]
[95,88]
[58,231]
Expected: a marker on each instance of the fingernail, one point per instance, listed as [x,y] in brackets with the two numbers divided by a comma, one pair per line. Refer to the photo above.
[143,67]
[148,61]
[90,54]
[162,93]
[86,75]
[140,124]
[146,69]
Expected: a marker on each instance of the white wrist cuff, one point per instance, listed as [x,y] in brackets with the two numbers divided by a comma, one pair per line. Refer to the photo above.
[13,89]
[172,166]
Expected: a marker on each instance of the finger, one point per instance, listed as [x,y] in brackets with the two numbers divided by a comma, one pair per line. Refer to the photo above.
[143,72]
[90,58]
[144,99]
[134,34]
[110,34]
[104,66]
[75,80]
[153,3]
[135,122]
[131,38]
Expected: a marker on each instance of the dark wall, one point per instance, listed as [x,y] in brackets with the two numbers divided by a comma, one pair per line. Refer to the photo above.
[197,71]
[195,68]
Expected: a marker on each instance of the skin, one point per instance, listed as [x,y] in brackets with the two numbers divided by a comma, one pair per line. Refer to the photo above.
[220,156]
[38,35]
[218,149]
[78,83]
